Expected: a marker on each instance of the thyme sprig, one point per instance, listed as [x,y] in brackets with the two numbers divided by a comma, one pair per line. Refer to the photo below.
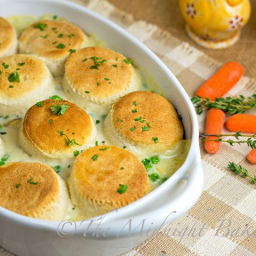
[230,105]
[243,172]
[250,141]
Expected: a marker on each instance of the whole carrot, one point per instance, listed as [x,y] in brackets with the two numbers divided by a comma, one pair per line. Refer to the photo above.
[251,157]
[222,81]
[241,123]
[214,123]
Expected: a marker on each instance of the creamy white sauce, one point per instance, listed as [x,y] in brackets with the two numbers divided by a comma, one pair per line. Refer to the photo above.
[170,161]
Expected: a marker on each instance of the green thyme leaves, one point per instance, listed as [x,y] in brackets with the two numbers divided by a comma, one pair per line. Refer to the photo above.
[97,62]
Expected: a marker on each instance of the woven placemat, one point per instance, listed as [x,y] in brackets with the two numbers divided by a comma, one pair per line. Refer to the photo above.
[223,222]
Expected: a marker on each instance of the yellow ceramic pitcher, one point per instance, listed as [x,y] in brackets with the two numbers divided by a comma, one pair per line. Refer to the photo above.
[215,23]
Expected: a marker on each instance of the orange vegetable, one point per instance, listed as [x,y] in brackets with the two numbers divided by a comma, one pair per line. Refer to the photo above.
[251,157]
[222,81]
[214,123]
[242,123]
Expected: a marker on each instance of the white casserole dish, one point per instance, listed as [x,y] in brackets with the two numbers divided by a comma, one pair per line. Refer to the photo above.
[121,230]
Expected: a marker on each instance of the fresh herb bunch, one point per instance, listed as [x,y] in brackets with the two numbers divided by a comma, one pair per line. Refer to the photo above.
[250,141]
[239,170]
[229,105]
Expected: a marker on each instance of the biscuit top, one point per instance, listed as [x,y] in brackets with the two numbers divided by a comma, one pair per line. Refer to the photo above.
[102,72]
[28,188]
[54,126]
[99,171]
[52,39]
[7,35]
[147,118]
[20,74]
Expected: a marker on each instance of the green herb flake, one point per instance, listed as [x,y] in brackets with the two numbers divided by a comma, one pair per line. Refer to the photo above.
[144,128]
[76,153]
[97,121]
[107,79]
[55,42]
[56,168]
[11,86]
[121,168]
[60,36]
[61,132]
[71,35]
[72,50]
[50,121]
[127,61]
[134,110]
[44,37]
[115,66]
[40,26]
[84,60]
[154,176]
[17,185]
[122,188]
[5,65]
[39,104]
[56,97]
[59,109]
[61,46]
[147,163]
[94,157]
[155,159]
[98,84]
[96,143]
[124,147]
[54,17]
[86,92]
[1,72]
[14,77]
[21,64]
[132,128]
[30,181]
[155,139]
[134,103]
[103,149]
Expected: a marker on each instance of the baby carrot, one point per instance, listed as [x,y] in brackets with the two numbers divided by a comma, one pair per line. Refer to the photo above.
[241,123]
[214,124]
[251,157]
[222,81]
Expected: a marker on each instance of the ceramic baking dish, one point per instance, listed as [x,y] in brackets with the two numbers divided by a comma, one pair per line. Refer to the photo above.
[117,231]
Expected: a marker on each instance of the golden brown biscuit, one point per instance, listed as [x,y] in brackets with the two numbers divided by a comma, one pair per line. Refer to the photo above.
[8,38]
[143,120]
[53,41]
[24,80]
[55,128]
[33,190]
[106,178]
[102,77]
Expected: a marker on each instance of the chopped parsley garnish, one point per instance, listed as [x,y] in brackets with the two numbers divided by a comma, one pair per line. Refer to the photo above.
[21,64]
[44,37]
[50,121]
[155,159]
[134,110]
[76,153]
[14,77]
[55,42]
[107,79]
[98,84]
[144,128]
[59,109]
[94,157]
[115,66]
[132,128]
[86,91]
[60,35]
[155,139]
[3,159]
[72,50]
[56,168]
[70,142]
[39,104]
[121,168]
[55,97]
[5,65]
[96,143]
[71,35]
[17,185]
[54,28]
[122,188]
[30,181]
[61,46]
[97,121]
[97,62]
[84,60]
[103,149]
[138,119]
[154,176]
[41,26]
[54,17]
[127,61]
[11,86]
[1,72]
[147,164]
[124,147]
[134,103]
